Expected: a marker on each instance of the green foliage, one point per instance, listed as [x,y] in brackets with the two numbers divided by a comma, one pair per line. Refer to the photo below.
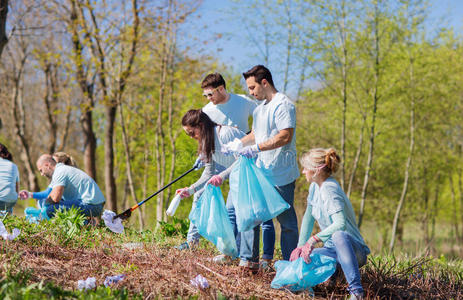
[124,269]
[17,286]
[69,221]
[175,227]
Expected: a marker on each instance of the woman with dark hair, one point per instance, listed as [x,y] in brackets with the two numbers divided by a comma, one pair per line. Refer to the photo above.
[9,181]
[211,137]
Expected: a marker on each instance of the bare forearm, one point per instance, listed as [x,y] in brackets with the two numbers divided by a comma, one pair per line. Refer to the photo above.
[248,139]
[282,138]
[56,194]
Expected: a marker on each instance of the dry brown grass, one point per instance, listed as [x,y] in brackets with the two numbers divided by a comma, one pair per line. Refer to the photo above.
[165,272]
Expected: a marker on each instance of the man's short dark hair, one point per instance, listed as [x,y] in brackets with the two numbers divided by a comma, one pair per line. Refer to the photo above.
[259,72]
[213,81]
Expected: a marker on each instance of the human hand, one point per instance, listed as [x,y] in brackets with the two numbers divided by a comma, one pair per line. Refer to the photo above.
[295,254]
[184,192]
[23,195]
[250,151]
[198,164]
[308,248]
[215,180]
[234,146]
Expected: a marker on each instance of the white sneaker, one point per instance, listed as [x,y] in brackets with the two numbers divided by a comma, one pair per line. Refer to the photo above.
[222,259]
[250,266]
[265,265]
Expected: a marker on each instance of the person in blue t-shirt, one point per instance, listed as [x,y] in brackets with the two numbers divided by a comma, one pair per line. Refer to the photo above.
[71,187]
[9,181]
[329,206]
[59,157]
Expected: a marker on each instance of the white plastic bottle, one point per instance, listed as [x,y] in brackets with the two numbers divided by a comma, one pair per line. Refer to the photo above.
[173,205]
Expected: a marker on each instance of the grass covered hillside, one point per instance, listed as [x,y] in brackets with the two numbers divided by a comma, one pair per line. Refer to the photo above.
[46,261]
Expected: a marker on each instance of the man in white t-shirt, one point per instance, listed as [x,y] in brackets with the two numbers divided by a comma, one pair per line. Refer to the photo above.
[233,110]
[225,108]
[273,141]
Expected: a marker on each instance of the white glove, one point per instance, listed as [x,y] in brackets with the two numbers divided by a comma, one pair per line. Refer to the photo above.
[232,147]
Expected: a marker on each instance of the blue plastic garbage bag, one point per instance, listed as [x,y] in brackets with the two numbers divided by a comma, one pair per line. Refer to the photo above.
[35,215]
[255,199]
[298,275]
[211,218]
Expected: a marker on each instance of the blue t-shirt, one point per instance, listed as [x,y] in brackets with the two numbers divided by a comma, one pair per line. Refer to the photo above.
[78,186]
[9,175]
[328,200]
[269,118]
[235,112]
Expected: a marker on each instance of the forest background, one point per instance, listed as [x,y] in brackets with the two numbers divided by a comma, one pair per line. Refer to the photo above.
[108,82]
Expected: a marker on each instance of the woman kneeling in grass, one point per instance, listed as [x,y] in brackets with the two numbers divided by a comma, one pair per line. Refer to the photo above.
[329,206]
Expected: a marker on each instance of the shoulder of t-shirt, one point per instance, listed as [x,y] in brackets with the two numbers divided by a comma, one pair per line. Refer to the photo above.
[331,186]
[208,106]
[281,98]
[245,99]
[227,133]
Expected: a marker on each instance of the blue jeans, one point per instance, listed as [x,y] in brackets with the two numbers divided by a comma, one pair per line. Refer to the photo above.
[350,255]
[90,210]
[289,230]
[268,232]
[193,235]
[7,206]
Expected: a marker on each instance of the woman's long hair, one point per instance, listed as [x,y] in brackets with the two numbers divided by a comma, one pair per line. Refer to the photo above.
[196,118]
[4,153]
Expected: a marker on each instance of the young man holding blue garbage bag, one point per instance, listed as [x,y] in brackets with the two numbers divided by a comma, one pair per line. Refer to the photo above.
[273,141]
[232,110]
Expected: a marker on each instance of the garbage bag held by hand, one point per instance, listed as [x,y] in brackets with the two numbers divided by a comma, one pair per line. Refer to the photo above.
[255,199]
[36,214]
[298,275]
[211,218]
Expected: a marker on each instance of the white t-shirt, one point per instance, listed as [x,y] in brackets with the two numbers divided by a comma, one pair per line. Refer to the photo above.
[235,112]
[269,118]
[9,175]
[78,186]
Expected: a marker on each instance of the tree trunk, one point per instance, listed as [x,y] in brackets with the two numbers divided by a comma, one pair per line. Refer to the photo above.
[51,96]
[87,89]
[110,181]
[407,170]
[460,192]
[373,121]
[125,140]
[454,209]
[426,208]
[289,45]
[3,16]
[86,121]
[65,130]
[342,37]
[18,113]
[357,158]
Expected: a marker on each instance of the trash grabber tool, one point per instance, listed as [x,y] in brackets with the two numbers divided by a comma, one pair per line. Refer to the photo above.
[126,214]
